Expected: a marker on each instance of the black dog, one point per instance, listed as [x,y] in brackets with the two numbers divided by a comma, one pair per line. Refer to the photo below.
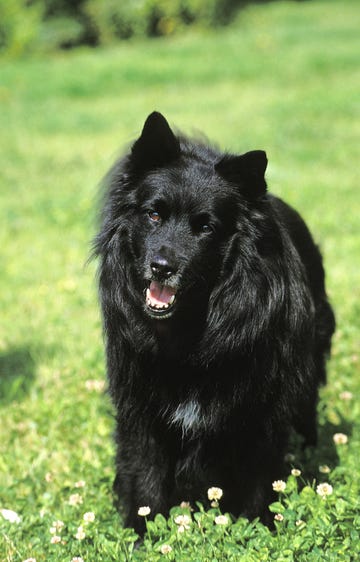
[217,324]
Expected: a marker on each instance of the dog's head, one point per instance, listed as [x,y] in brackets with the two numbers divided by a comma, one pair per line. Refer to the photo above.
[182,203]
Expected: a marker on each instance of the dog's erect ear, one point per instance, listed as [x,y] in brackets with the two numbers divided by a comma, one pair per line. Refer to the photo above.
[157,144]
[247,171]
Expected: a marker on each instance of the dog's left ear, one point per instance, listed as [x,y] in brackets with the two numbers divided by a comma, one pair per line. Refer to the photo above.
[247,171]
[157,144]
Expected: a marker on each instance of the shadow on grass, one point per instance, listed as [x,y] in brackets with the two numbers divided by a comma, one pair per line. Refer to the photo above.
[327,448]
[324,453]
[17,374]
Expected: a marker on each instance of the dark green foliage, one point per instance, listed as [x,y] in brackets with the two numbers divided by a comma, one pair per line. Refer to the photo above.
[48,24]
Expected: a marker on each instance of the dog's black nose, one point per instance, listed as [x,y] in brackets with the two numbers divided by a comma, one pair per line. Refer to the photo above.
[162,268]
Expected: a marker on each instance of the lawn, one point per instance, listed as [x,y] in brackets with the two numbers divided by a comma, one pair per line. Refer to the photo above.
[284,77]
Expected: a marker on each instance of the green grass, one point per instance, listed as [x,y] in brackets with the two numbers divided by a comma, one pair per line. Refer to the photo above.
[286,78]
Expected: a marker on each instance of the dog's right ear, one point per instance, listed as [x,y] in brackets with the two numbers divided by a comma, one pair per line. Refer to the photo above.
[156,146]
[247,171]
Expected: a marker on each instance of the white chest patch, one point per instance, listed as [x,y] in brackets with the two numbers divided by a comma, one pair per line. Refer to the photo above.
[187,415]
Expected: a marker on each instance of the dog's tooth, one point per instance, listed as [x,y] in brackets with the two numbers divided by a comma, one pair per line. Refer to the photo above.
[158,306]
[171,300]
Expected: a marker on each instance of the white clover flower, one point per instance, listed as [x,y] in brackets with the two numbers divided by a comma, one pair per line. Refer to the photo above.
[165,549]
[58,525]
[346,395]
[296,472]
[75,499]
[324,469]
[80,484]
[80,535]
[89,517]
[55,539]
[185,505]
[77,559]
[181,529]
[324,489]
[95,385]
[215,493]
[279,486]
[183,521]
[30,560]
[144,511]
[279,517]
[340,438]
[221,520]
[48,477]
[10,515]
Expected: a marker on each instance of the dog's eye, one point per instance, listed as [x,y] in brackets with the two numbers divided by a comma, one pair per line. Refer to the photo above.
[202,224]
[154,216]
[206,228]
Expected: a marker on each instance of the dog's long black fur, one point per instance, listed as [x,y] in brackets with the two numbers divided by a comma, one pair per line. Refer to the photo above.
[207,388]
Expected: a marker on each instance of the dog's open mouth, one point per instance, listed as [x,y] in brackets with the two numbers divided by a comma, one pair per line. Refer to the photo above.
[160,299]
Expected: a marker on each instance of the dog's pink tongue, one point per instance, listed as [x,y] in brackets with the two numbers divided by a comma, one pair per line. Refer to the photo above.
[160,294]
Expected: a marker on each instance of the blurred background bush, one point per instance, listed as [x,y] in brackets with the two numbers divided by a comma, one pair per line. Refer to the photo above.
[42,25]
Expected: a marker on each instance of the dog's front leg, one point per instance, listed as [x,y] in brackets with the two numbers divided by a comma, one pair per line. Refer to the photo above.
[143,476]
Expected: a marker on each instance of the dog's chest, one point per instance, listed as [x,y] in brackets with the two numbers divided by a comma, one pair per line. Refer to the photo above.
[188,416]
